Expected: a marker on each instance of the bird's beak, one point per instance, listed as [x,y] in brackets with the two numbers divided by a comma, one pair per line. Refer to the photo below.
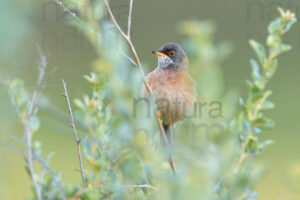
[158,53]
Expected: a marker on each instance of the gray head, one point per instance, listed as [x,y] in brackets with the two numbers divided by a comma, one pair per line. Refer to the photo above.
[171,55]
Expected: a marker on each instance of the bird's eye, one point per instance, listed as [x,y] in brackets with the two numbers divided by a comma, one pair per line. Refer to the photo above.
[171,53]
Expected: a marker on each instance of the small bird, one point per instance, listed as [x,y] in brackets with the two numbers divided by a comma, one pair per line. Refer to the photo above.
[172,86]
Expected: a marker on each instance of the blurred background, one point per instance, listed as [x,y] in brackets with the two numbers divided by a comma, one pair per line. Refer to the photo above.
[26,23]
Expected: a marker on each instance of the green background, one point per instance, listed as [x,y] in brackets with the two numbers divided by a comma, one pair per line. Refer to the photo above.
[25,23]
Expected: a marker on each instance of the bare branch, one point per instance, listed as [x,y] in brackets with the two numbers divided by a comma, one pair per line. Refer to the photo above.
[32,110]
[129,19]
[130,59]
[40,159]
[75,134]
[72,14]
[46,166]
[30,154]
[77,18]
[114,20]
[139,65]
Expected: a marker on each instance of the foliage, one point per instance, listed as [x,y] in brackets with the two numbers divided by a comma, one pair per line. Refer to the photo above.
[122,146]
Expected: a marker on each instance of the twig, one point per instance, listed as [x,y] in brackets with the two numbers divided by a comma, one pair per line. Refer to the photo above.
[40,159]
[130,59]
[72,14]
[243,154]
[60,3]
[45,165]
[138,63]
[75,134]
[32,110]
[129,18]
[132,48]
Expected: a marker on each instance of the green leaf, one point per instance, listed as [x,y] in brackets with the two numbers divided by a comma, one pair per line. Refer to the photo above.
[86,146]
[274,27]
[91,194]
[34,123]
[271,68]
[281,48]
[255,70]
[259,50]
[79,104]
[266,95]
[273,41]
[289,25]
[265,144]
[267,105]
[264,123]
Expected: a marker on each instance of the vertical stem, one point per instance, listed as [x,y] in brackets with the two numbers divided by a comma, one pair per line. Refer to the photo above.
[77,140]
[138,63]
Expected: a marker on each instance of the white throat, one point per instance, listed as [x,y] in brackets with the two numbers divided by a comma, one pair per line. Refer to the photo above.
[164,61]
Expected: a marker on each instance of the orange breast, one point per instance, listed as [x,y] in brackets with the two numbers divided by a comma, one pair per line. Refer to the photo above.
[174,92]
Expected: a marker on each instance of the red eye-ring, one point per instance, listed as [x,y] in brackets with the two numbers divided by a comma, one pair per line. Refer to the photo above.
[171,53]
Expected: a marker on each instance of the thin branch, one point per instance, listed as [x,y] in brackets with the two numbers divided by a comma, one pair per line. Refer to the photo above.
[72,14]
[45,165]
[129,18]
[75,134]
[40,159]
[243,154]
[139,65]
[77,18]
[130,59]
[32,110]
[132,48]
[114,20]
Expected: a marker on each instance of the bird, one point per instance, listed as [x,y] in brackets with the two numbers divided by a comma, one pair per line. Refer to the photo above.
[172,86]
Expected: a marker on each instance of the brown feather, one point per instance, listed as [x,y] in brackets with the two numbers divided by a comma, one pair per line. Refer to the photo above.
[174,92]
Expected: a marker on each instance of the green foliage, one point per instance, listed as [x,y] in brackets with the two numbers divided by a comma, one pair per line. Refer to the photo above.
[122,149]
[252,120]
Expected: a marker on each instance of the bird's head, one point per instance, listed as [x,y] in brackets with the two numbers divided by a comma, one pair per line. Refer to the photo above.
[171,55]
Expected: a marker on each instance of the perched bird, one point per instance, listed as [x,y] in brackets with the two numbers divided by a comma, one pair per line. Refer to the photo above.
[172,86]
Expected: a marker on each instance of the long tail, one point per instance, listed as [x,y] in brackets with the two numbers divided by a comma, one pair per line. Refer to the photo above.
[169,146]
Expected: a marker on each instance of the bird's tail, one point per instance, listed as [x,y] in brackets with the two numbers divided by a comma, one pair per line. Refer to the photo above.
[168,134]
[169,146]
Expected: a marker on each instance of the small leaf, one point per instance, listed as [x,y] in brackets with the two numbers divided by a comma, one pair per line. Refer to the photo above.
[281,48]
[257,130]
[271,68]
[79,104]
[241,101]
[86,146]
[289,25]
[274,26]
[259,50]
[264,123]
[267,105]
[255,70]
[273,41]
[34,123]
[266,143]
